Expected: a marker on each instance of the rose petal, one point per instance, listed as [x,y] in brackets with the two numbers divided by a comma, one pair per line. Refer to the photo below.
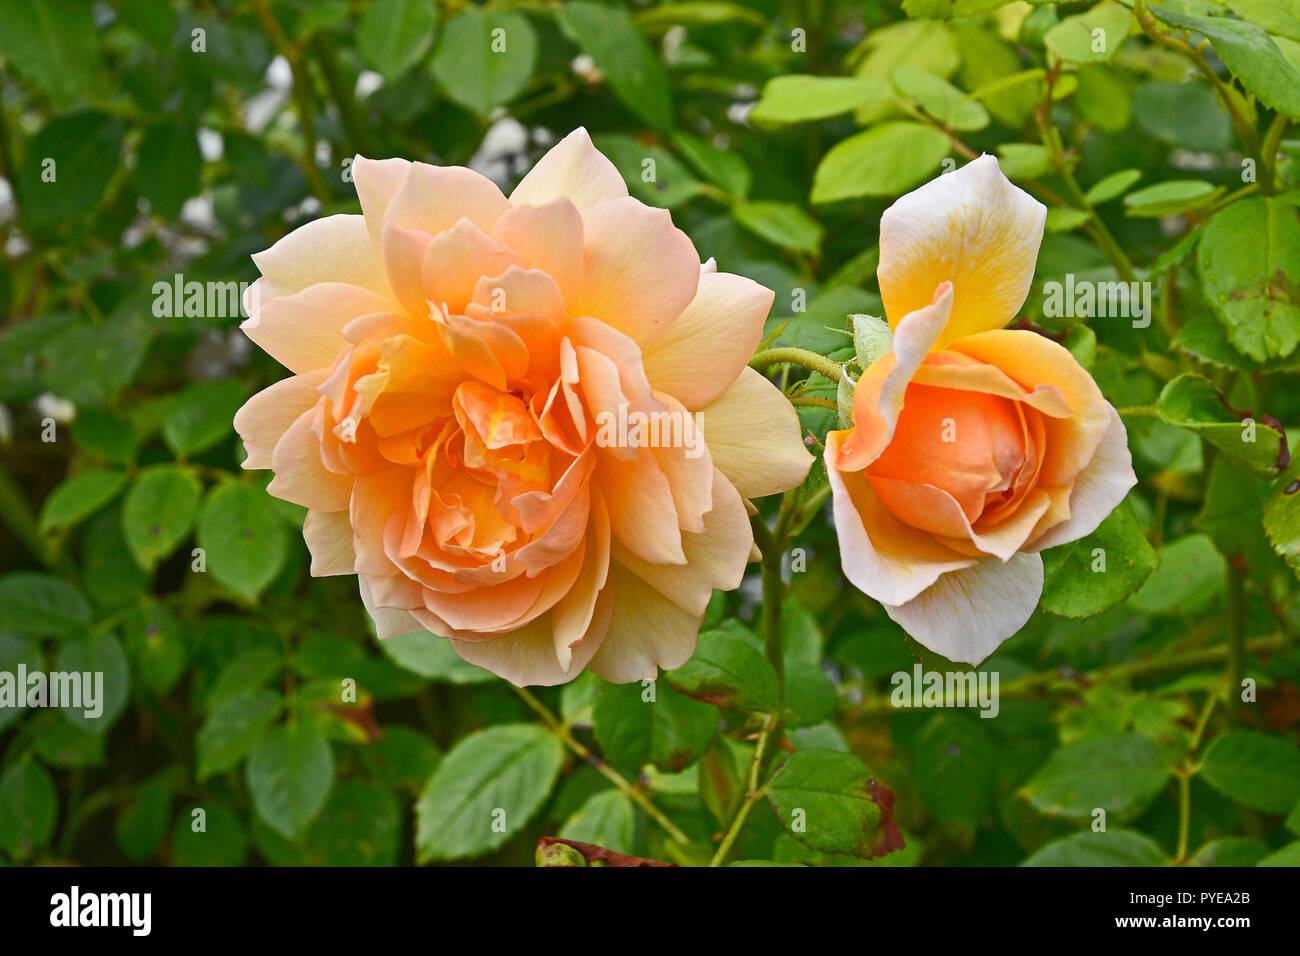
[971,227]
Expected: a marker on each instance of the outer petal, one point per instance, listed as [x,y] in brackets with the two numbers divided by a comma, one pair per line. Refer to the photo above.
[639,270]
[753,435]
[714,559]
[1098,490]
[267,415]
[970,226]
[878,398]
[966,614]
[300,476]
[646,632]
[333,249]
[304,331]
[705,348]
[377,181]
[329,539]
[526,657]
[574,168]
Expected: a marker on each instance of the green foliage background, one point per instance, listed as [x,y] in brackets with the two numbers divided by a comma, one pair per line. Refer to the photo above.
[1163,159]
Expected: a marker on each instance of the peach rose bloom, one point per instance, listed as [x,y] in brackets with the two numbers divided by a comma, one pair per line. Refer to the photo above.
[454,354]
[973,447]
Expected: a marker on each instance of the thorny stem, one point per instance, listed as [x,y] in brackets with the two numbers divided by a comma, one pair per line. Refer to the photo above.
[1236,636]
[301,97]
[1185,774]
[771,543]
[633,793]
[753,793]
[796,356]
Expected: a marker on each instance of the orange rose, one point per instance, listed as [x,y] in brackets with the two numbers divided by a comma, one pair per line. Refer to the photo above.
[526,424]
[973,447]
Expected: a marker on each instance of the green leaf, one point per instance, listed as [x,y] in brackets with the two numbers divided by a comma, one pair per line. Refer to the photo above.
[607,819]
[52,43]
[782,224]
[201,415]
[936,96]
[28,807]
[79,497]
[59,744]
[953,763]
[1249,260]
[886,160]
[798,99]
[244,541]
[1250,53]
[68,165]
[1184,113]
[1259,770]
[1230,851]
[290,772]
[232,729]
[1091,37]
[1281,516]
[361,825]
[1171,198]
[481,68]
[403,757]
[15,651]
[221,842]
[142,826]
[633,69]
[1061,219]
[831,802]
[636,726]
[810,696]
[158,512]
[40,605]
[1112,186]
[720,782]
[1118,773]
[652,173]
[1098,571]
[1192,402]
[168,167]
[432,656]
[727,671]
[157,647]
[1289,855]
[1108,848]
[393,35]
[97,654]
[1024,160]
[487,787]
[1190,574]
[690,13]
[723,167]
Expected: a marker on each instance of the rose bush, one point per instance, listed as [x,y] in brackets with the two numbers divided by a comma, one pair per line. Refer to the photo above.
[456,356]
